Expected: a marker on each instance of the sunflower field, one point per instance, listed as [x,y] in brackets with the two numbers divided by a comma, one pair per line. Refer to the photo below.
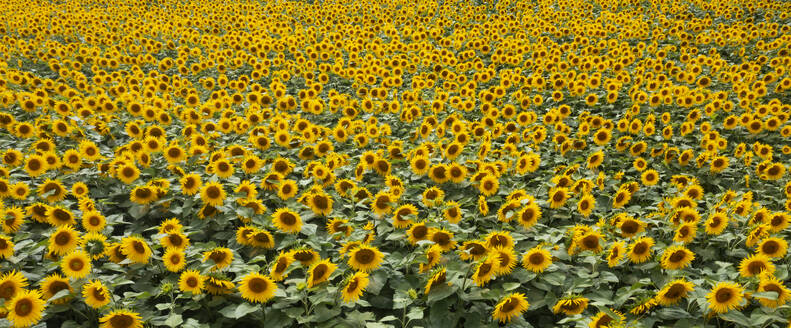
[395,163]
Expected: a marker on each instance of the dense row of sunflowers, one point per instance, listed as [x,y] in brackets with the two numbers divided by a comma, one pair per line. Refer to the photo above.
[594,163]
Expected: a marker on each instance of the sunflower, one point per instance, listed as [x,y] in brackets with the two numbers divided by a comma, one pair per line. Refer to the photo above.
[420,165]
[128,173]
[190,184]
[339,227]
[673,292]
[676,257]
[589,241]
[354,287]
[76,264]
[417,232]
[135,249]
[686,232]
[175,239]
[64,240]
[595,159]
[320,272]
[287,221]
[96,294]
[11,284]
[6,247]
[35,165]
[640,250]
[305,256]
[143,195]
[718,164]
[537,259]
[217,286]
[443,238]
[571,305]
[439,173]
[320,203]
[558,197]
[473,249]
[432,196]
[630,227]
[621,198]
[212,193]
[499,239]
[221,256]
[53,189]
[121,319]
[262,238]
[488,185]
[716,223]
[586,204]
[772,247]
[755,265]
[24,310]
[617,251]
[257,288]
[287,189]
[529,215]
[52,284]
[365,258]
[485,270]
[725,296]
[772,284]
[280,265]
[649,177]
[602,319]
[507,260]
[438,277]
[174,259]
[509,307]
[191,281]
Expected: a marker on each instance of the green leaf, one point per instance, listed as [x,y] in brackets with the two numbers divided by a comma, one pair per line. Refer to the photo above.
[736,317]
[244,309]
[509,286]
[767,295]
[440,292]
[174,320]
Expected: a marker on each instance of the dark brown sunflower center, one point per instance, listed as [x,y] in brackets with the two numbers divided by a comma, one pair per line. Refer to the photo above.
[23,307]
[121,321]
[723,295]
[62,238]
[630,227]
[288,219]
[257,285]
[139,247]
[755,267]
[213,192]
[192,282]
[98,295]
[509,305]
[76,264]
[677,256]
[365,256]
[536,258]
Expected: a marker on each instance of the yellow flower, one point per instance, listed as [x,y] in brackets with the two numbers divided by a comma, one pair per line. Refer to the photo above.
[725,296]
[96,294]
[510,306]
[287,221]
[257,288]
[355,286]
[212,193]
[24,310]
[365,258]
[121,319]
[320,272]
[537,259]
[76,264]
[191,281]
